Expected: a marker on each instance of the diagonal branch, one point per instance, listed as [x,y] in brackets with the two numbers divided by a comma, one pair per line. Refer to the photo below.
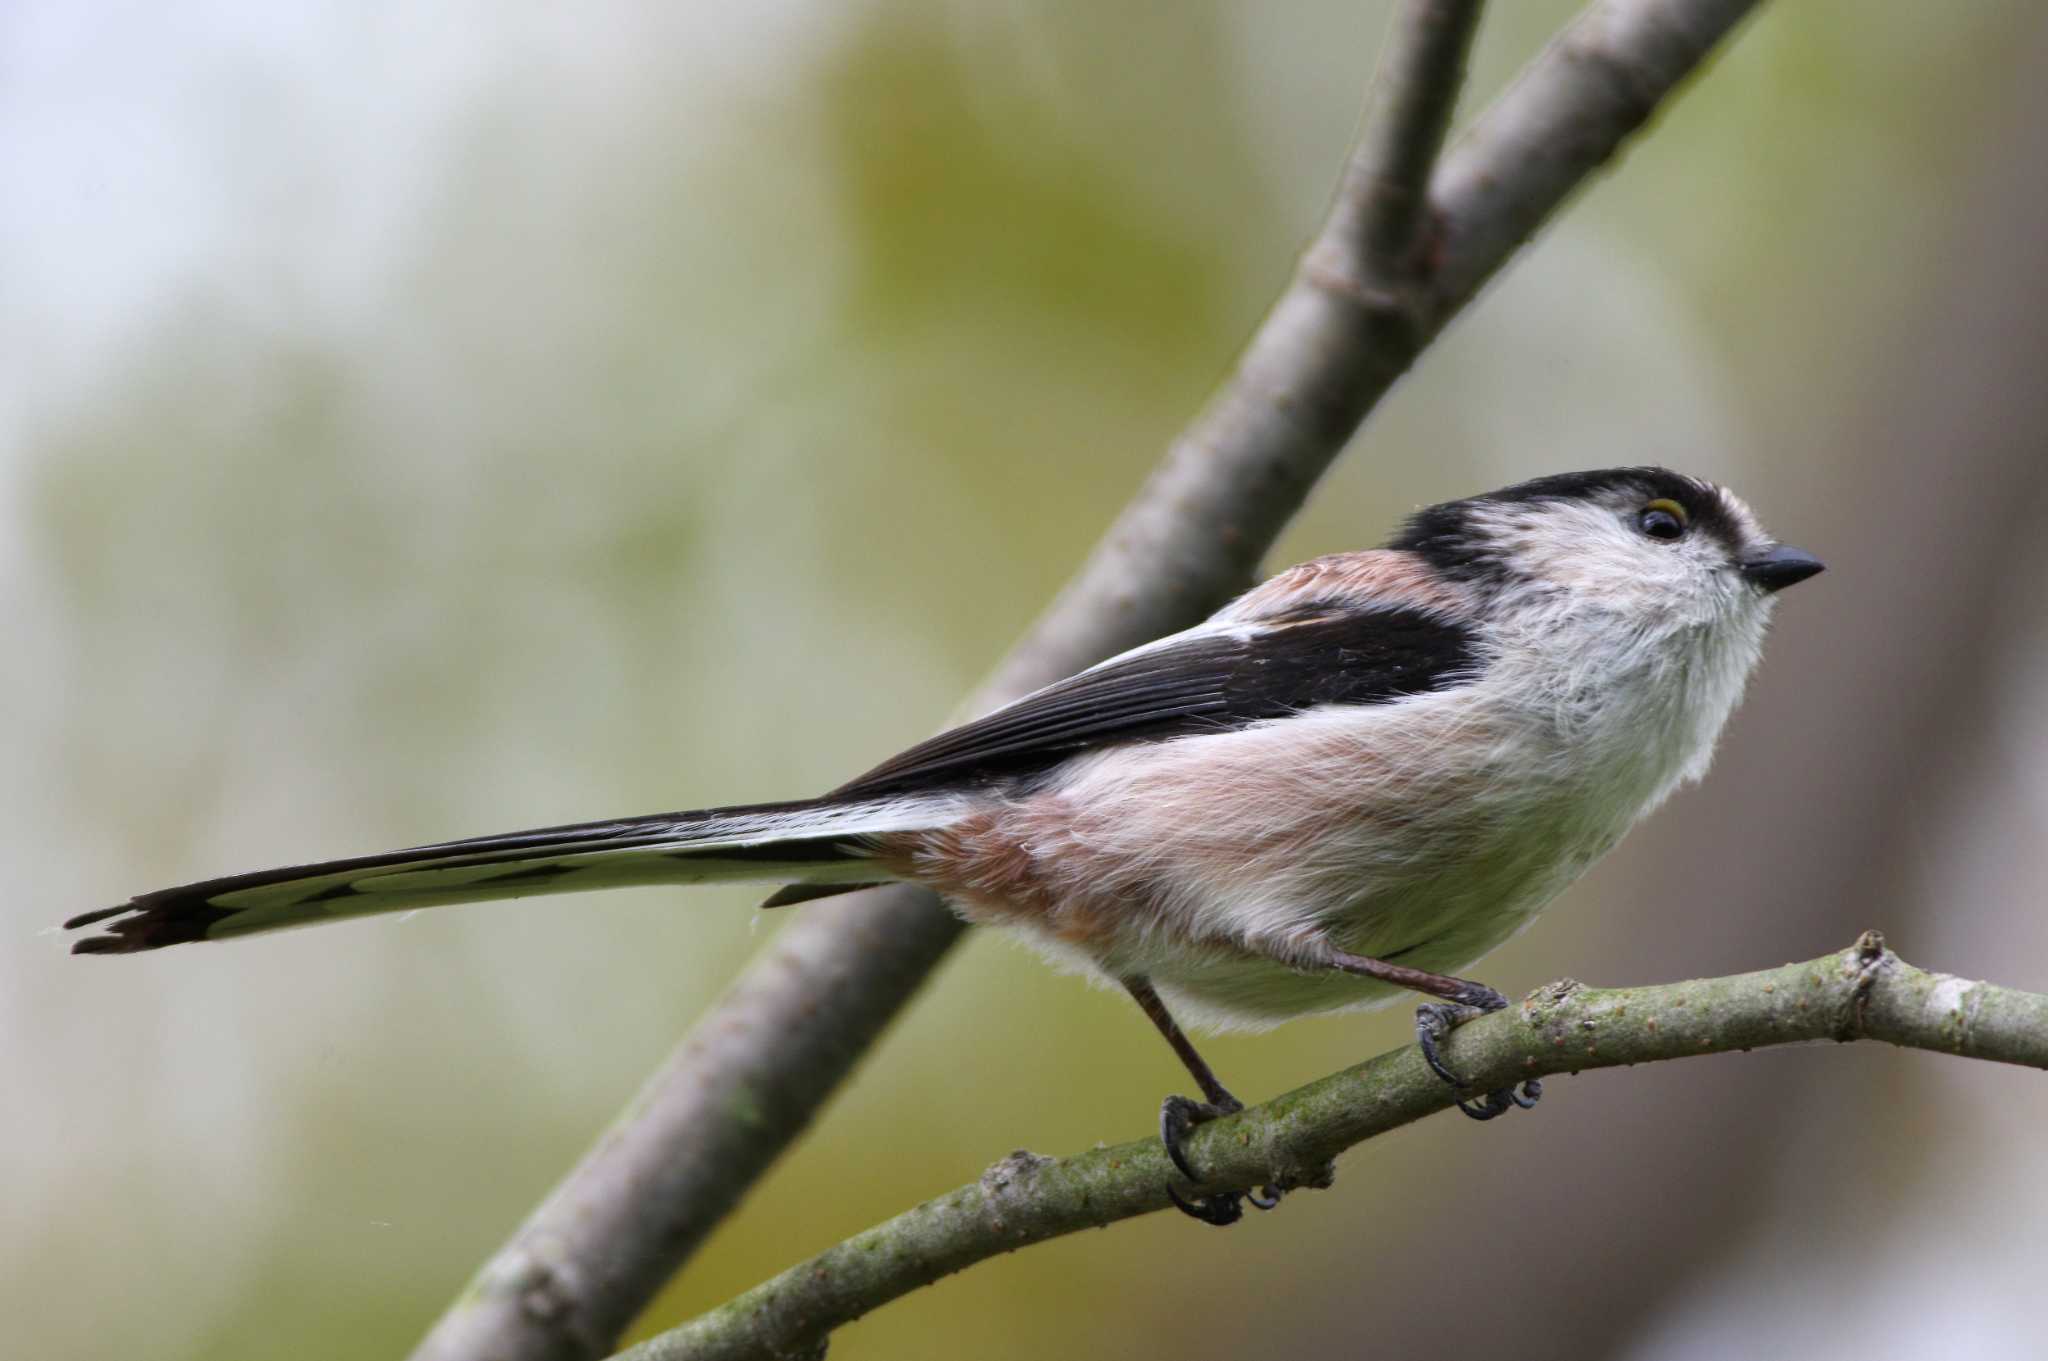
[1864,992]
[1599,80]
[752,1074]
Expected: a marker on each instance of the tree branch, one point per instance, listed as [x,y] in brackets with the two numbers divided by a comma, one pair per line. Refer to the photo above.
[1562,119]
[750,1076]
[1386,185]
[1864,992]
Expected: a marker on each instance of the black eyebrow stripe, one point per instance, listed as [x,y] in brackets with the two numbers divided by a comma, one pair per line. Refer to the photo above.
[1444,535]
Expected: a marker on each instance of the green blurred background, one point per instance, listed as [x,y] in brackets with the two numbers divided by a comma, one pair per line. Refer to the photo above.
[428,420]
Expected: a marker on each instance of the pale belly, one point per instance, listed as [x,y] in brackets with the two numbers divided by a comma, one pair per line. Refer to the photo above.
[1340,837]
[1481,882]
[1442,923]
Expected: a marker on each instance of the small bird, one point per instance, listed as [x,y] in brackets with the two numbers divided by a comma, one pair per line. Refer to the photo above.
[1352,781]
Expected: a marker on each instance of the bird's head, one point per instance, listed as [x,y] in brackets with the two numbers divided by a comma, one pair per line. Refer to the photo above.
[1646,545]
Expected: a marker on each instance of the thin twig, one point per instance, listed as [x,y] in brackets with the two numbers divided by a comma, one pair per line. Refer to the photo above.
[1422,68]
[1864,992]
[755,1070]
[1563,118]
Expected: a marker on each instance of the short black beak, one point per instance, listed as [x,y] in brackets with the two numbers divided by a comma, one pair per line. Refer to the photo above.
[1776,568]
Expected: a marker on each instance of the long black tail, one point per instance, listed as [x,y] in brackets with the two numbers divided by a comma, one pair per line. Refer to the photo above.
[822,842]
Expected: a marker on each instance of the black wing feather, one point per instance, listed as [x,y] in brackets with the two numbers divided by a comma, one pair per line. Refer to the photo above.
[1204,683]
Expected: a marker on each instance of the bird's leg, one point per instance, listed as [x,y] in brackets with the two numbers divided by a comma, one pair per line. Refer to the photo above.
[1179,1114]
[1462,1000]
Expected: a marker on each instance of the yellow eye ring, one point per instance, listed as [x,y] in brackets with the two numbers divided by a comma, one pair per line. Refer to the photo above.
[1664,519]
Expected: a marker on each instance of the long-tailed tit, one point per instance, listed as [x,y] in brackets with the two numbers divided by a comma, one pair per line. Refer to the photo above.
[1366,772]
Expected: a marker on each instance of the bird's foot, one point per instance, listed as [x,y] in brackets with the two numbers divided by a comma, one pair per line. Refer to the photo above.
[1177,1116]
[1436,1020]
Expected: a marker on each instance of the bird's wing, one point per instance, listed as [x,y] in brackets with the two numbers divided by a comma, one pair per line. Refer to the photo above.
[1221,675]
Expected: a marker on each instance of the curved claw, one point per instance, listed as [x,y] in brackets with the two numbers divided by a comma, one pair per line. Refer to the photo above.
[1265,1198]
[1177,1116]
[1489,1107]
[1435,1020]
[1503,1100]
[1180,1114]
[1222,1209]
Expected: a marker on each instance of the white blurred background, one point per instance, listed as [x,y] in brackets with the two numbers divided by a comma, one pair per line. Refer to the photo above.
[428,420]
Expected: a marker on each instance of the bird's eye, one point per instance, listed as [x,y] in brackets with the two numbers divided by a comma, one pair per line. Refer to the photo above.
[1663,519]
